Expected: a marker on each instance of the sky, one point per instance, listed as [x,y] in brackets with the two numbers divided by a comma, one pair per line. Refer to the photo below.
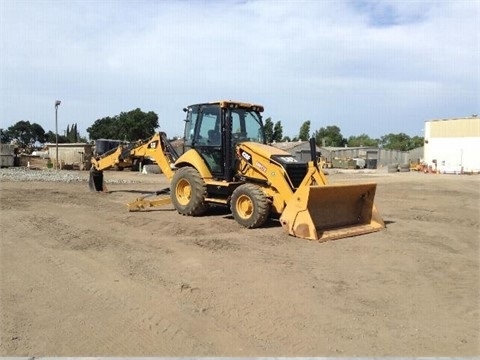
[368,67]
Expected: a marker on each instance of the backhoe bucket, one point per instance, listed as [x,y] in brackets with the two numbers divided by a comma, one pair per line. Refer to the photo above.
[95,181]
[332,212]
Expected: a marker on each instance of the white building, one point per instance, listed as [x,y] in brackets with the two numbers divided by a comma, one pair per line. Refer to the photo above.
[453,145]
[70,153]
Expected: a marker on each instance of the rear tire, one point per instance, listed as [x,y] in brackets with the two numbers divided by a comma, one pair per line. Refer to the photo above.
[250,207]
[188,192]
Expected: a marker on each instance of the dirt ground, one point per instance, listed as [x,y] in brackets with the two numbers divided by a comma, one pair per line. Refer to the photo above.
[82,276]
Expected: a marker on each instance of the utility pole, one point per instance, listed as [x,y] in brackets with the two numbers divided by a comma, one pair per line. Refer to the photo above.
[57,104]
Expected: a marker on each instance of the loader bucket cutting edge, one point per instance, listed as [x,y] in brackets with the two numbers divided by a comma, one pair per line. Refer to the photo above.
[332,212]
[95,181]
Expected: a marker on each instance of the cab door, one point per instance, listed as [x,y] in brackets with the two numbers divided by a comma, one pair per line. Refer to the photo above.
[207,137]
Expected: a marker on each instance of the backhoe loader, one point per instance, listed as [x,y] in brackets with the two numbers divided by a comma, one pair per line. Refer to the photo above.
[226,161]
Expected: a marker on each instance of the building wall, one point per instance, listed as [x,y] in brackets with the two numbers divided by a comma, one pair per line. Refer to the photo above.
[454,128]
[7,156]
[373,156]
[383,157]
[417,155]
[454,144]
[70,153]
[299,149]
[453,154]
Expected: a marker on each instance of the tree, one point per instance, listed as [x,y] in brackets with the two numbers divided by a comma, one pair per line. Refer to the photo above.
[72,135]
[268,129]
[278,131]
[51,138]
[304,133]
[329,136]
[138,125]
[400,141]
[4,138]
[106,128]
[130,126]
[362,140]
[416,142]
[25,133]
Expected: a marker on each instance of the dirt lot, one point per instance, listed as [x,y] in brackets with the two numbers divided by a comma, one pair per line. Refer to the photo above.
[81,276]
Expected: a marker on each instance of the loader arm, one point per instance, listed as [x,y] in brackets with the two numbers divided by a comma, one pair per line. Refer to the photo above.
[277,171]
[308,206]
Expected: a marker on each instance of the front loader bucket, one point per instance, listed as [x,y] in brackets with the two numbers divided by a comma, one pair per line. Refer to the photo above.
[95,181]
[332,212]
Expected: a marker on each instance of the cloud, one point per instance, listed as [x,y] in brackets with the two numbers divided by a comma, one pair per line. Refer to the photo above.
[366,66]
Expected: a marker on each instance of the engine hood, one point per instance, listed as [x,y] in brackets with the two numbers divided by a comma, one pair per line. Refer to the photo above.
[265,151]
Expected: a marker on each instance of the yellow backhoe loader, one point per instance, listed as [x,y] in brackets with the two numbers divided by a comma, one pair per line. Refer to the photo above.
[227,162]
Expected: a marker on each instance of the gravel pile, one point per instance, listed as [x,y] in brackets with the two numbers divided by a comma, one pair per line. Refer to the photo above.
[26,174]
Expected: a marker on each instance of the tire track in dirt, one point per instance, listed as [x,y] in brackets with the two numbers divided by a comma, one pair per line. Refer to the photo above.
[249,324]
[79,284]
[373,295]
[159,330]
[98,338]
[267,327]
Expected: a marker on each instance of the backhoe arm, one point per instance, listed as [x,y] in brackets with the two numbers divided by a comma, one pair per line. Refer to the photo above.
[108,160]
[157,147]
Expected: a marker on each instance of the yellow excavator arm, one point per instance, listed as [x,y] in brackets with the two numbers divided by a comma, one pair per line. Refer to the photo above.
[157,148]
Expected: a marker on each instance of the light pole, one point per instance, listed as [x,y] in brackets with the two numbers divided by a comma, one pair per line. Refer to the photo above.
[57,104]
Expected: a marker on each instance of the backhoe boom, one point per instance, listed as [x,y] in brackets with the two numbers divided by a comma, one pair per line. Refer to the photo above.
[157,148]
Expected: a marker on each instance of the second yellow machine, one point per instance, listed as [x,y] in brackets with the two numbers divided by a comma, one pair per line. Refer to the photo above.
[226,161]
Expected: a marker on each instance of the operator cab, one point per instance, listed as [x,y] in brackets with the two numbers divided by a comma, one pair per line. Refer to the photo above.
[214,129]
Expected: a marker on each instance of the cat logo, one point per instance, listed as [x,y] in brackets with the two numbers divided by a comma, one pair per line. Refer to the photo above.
[246,156]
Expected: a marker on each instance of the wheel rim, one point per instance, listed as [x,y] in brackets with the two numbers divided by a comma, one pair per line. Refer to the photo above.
[183,191]
[244,206]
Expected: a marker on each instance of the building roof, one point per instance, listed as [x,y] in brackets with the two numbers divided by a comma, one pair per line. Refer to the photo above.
[473,117]
[333,148]
[68,144]
[288,145]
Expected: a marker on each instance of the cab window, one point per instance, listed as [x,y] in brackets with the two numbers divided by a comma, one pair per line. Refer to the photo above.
[246,126]
[209,126]
[191,121]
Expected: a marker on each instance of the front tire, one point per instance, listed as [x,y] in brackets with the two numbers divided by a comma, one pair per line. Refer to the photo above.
[188,192]
[250,207]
